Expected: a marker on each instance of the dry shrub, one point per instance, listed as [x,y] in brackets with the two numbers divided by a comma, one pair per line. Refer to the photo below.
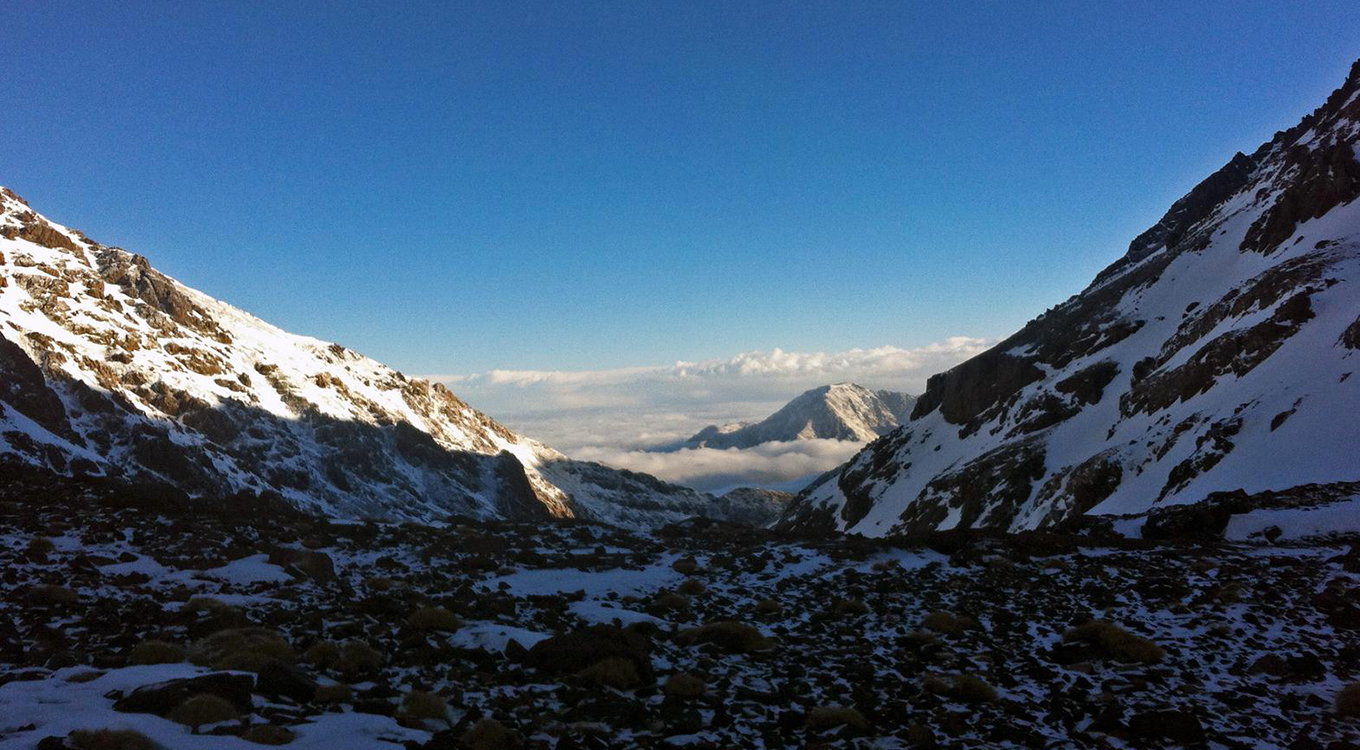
[1116,642]
[155,652]
[353,657]
[1230,593]
[883,566]
[917,640]
[324,654]
[829,717]
[39,547]
[379,583]
[206,604]
[357,657]
[849,607]
[330,695]
[691,587]
[1348,701]
[947,622]
[53,596]
[269,734]
[434,618]
[243,649]
[685,686]
[962,687]
[89,675]
[768,608]
[732,636]
[110,739]
[615,672]
[669,601]
[202,709]
[999,563]
[419,704]
[686,566]
[489,734]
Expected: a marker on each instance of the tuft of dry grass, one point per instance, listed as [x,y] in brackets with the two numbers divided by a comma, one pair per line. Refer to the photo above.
[917,640]
[1348,701]
[269,734]
[1230,593]
[243,649]
[734,637]
[379,583]
[962,687]
[330,695]
[155,652]
[686,566]
[829,717]
[669,601]
[420,704]
[53,596]
[948,623]
[206,604]
[202,709]
[489,734]
[39,547]
[849,607]
[615,672]
[691,587]
[353,657]
[768,609]
[1116,642]
[434,618]
[89,675]
[325,654]
[110,739]
[357,657]
[685,686]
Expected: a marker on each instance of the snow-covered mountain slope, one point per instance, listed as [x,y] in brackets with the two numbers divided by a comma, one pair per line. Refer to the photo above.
[108,367]
[843,411]
[1217,355]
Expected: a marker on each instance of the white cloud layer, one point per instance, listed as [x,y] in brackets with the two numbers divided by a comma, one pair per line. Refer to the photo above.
[765,465]
[608,415]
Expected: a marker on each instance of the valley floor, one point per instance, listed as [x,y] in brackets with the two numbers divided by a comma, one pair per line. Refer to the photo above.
[570,635]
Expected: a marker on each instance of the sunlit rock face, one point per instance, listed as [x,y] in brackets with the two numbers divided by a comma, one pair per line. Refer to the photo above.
[113,368]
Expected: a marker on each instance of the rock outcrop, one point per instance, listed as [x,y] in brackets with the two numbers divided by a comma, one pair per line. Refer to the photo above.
[1216,355]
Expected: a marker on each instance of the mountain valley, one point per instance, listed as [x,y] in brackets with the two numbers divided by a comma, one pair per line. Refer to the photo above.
[1134,523]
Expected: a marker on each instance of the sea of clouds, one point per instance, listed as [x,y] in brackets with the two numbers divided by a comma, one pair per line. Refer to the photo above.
[614,416]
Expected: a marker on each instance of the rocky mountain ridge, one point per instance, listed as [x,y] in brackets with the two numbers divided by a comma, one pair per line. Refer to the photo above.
[1215,356]
[112,368]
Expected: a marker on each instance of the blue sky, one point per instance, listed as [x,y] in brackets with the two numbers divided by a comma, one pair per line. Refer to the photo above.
[455,188]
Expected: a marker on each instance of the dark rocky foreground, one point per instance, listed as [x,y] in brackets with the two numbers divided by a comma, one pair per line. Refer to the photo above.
[122,610]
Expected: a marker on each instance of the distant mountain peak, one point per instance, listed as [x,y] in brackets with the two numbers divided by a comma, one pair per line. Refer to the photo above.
[839,411]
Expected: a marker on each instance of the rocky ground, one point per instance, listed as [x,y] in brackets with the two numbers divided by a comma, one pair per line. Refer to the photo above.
[202,628]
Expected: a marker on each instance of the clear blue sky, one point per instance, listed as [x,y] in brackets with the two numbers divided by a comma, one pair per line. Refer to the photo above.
[454,187]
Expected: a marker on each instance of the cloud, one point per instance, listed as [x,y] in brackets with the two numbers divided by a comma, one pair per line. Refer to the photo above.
[611,415]
[709,469]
